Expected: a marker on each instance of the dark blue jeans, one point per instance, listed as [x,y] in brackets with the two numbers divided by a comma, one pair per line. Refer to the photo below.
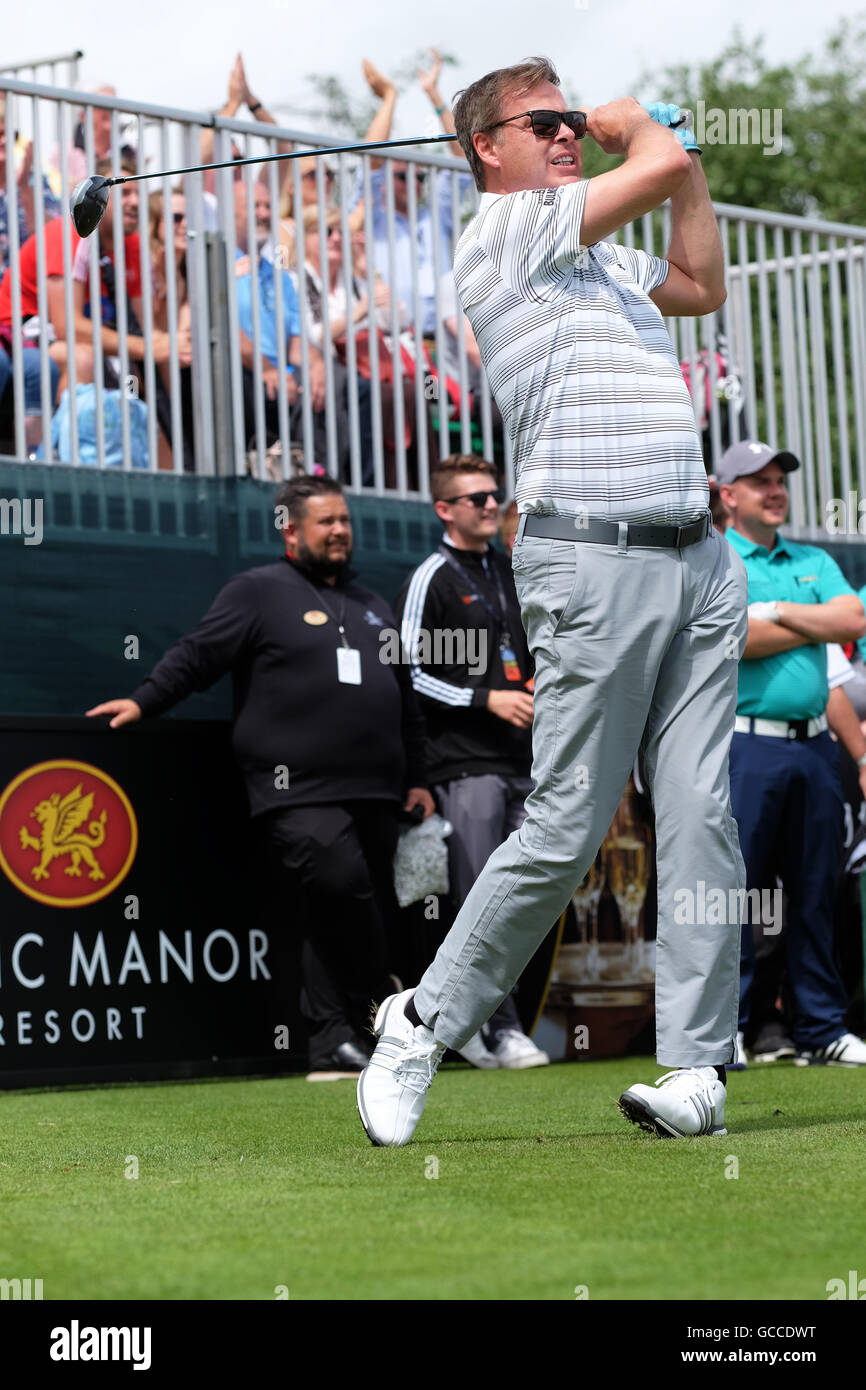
[32,378]
[787,801]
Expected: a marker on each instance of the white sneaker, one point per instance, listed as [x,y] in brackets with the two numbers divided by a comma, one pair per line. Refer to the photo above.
[741,1061]
[683,1103]
[847,1051]
[392,1088]
[515,1050]
[475,1052]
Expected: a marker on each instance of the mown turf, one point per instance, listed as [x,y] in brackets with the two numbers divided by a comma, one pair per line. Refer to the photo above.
[542,1187]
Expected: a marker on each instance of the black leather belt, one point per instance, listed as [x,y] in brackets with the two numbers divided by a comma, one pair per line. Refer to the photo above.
[578,528]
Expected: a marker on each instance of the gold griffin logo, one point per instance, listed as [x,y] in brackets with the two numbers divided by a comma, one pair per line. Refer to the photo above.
[78,823]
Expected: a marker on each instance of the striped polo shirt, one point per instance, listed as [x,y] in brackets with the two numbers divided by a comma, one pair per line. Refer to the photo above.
[579,362]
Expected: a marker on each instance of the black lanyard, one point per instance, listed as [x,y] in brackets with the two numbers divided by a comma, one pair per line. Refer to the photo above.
[502,616]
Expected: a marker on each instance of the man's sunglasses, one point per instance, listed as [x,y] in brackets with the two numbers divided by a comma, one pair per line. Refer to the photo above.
[545,124]
[479,499]
[311,174]
[420,175]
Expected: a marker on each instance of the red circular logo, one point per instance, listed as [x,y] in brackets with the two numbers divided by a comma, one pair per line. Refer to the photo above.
[68,833]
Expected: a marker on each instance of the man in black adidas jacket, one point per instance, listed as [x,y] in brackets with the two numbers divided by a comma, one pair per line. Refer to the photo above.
[462,629]
[330,742]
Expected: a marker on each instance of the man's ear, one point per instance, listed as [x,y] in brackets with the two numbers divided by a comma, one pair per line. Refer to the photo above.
[441,515]
[485,148]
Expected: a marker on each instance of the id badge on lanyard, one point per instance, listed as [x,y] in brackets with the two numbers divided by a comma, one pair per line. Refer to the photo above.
[509,663]
[348,666]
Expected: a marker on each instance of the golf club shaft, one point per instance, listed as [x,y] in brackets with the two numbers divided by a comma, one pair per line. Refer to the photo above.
[293,154]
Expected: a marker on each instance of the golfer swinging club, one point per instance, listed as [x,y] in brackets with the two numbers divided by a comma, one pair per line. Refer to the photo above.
[634,607]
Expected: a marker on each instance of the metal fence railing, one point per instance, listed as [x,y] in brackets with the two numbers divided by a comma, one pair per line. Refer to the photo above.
[784,359]
[370,374]
[31,69]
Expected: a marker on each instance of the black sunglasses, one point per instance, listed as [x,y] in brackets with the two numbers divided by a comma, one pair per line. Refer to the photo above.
[479,499]
[545,124]
[179,217]
[401,174]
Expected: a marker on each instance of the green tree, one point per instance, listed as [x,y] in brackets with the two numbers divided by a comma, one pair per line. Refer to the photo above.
[822,100]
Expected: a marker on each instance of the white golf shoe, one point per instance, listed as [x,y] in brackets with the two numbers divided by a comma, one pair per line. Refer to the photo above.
[475,1052]
[847,1051]
[682,1103]
[516,1051]
[392,1088]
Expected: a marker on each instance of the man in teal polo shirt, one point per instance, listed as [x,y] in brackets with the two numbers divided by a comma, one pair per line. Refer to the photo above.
[786,794]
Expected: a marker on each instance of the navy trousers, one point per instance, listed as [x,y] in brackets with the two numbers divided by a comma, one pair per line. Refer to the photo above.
[787,801]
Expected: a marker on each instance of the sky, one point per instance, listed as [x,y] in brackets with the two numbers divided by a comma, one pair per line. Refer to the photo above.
[179,52]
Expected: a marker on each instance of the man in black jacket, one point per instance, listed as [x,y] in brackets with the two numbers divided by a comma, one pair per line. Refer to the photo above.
[471,667]
[330,742]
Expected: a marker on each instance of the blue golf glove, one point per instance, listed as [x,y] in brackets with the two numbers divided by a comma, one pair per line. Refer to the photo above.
[669,115]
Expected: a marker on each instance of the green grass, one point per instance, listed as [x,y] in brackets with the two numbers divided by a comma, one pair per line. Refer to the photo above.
[247,1185]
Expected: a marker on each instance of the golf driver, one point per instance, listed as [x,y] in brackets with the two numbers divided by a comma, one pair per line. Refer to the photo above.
[90,199]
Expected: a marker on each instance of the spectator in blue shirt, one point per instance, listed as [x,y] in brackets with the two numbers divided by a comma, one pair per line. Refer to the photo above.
[786,793]
[262,257]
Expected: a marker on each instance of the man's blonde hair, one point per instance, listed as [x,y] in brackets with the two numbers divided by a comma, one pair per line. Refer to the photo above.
[442,476]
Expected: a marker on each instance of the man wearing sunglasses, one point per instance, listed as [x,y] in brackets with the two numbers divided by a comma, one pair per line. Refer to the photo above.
[634,607]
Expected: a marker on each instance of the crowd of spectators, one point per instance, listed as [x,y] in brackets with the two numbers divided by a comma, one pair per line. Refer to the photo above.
[399,272]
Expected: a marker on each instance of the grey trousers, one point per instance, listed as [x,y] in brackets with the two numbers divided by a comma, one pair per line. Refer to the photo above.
[636,649]
[483,809]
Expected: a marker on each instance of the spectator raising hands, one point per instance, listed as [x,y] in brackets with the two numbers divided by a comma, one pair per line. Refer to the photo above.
[239,95]
[430,84]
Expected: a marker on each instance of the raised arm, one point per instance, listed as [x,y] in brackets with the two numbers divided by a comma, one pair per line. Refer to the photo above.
[382,87]
[260,112]
[231,108]
[430,84]
[654,167]
[696,280]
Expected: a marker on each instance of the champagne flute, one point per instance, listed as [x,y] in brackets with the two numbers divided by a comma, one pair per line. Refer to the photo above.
[584,897]
[627,860]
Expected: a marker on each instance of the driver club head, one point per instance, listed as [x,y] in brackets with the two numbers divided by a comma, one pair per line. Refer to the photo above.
[88,203]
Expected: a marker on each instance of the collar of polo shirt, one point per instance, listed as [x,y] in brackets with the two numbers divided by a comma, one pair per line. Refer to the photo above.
[745,547]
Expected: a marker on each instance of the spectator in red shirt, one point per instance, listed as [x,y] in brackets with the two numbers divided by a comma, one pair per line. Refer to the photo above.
[33,331]
[53,244]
